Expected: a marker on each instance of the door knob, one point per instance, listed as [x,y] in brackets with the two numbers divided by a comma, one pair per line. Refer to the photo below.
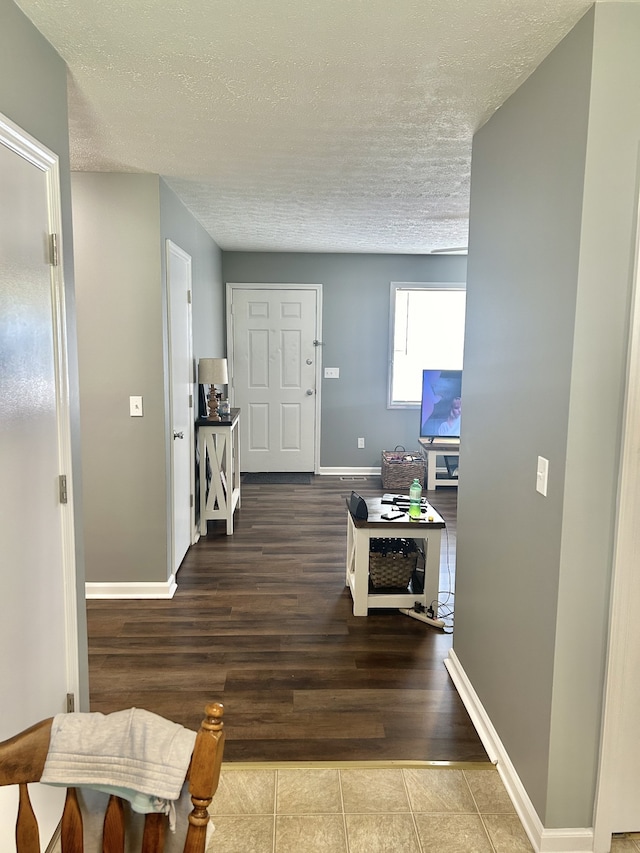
[309,392]
[178,434]
[309,361]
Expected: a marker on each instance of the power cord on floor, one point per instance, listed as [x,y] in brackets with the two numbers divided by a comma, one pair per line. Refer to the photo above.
[444,605]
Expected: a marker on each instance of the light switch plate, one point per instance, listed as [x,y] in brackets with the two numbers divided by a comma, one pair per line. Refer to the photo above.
[135,407]
[542,475]
[332,373]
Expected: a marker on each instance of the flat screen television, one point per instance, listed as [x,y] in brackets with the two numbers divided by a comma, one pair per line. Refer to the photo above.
[441,404]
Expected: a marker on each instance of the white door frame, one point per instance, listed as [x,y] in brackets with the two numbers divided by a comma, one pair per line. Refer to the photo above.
[173,248]
[46,800]
[618,771]
[317,288]
[26,146]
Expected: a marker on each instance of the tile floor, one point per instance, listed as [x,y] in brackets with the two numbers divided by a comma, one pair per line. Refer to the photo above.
[357,809]
[369,809]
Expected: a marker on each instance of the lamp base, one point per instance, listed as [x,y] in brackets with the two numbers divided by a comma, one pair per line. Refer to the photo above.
[213,403]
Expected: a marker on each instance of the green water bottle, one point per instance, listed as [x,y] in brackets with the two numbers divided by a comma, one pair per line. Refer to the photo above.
[415,493]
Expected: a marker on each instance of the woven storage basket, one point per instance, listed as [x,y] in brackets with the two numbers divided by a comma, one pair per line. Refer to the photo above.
[399,469]
[392,562]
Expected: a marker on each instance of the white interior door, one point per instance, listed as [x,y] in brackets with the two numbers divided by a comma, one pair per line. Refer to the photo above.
[273,350]
[38,627]
[181,392]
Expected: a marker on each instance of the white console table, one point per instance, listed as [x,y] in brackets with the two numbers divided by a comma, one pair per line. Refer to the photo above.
[431,450]
[218,443]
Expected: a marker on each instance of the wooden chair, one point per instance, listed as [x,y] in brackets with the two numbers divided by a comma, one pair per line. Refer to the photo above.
[22,760]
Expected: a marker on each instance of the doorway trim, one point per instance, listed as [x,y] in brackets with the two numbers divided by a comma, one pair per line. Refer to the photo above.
[317,288]
[617,769]
[172,249]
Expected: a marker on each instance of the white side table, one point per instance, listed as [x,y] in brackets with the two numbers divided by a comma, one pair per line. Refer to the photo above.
[218,443]
[359,534]
[431,450]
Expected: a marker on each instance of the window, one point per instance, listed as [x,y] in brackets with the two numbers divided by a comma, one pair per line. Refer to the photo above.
[426,331]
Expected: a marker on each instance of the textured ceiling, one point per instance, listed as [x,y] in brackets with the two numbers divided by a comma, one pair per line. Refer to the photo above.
[299,125]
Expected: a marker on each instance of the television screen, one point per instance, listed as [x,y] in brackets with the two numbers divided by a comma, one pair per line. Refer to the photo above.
[441,403]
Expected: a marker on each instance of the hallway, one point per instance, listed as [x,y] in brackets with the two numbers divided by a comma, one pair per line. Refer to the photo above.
[262,622]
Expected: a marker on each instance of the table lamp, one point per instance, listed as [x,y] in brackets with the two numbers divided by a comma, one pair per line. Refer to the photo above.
[212,372]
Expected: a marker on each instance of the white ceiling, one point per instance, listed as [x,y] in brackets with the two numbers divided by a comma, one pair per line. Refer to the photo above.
[299,125]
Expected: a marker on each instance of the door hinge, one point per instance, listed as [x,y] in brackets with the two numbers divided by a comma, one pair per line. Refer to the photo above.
[62,485]
[53,250]
[71,703]
[188,297]
[190,501]
[191,401]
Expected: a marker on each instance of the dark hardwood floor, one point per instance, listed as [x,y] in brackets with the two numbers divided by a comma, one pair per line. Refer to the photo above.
[262,622]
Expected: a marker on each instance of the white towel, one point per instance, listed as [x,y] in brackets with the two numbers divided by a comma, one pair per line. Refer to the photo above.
[93,805]
[132,749]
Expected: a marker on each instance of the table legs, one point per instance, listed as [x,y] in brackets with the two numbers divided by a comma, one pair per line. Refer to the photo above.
[358,567]
[432,546]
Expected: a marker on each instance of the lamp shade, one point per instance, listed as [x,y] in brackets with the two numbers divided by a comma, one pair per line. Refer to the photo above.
[213,371]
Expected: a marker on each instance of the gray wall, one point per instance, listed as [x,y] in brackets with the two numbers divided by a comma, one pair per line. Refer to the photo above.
[178,225]
[549,277]
[207,294]
[121,223]
[355,331]
[33,94]
[121,351]
[599,363]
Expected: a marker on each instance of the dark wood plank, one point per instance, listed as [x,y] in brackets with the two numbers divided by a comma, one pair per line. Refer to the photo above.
[262,622]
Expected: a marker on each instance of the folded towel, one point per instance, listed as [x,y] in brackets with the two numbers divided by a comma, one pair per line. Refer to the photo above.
[132,749]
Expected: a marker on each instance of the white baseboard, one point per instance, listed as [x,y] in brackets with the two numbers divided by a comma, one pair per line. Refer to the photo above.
[350,472]
[572,840]
[164,589]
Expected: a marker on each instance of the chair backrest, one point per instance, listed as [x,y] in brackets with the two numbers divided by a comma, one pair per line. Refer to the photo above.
[22,760]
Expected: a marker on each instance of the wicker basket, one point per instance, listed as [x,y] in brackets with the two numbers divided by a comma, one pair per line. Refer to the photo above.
[399,469]
[392,562]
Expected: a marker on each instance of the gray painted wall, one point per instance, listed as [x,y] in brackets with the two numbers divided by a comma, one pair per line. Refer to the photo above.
[527,176]
[599,364]
[177,224]
[355,331]
[553,196]
[121,223]
[121,351]
[208,322]
[33,94]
